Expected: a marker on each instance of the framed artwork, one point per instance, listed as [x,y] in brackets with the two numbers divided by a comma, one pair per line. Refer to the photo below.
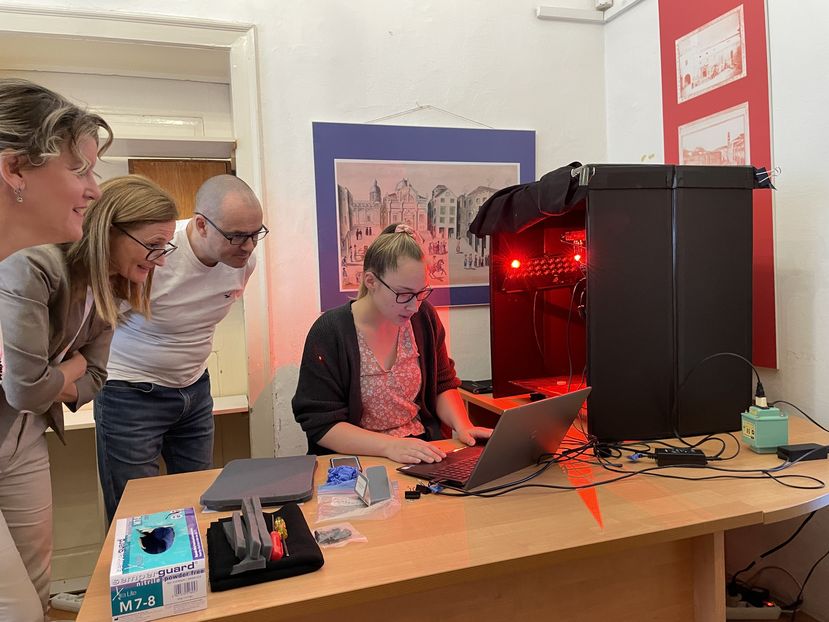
[712,55]
[717,140]
[432,179]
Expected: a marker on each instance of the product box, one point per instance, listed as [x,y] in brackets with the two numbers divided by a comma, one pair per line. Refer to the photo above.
[157,567]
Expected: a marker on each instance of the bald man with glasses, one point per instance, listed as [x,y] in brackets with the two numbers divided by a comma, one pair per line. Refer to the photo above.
[156,402]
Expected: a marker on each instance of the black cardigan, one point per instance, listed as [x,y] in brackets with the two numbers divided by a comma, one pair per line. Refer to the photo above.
[329,376]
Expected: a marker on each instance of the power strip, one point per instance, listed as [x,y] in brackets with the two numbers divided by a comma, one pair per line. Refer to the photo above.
[747,612]
[679,456]
[67,602]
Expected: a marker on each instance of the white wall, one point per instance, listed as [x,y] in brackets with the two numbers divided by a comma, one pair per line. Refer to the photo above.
[633,86]
[138,106]
[799,50]
[334,60]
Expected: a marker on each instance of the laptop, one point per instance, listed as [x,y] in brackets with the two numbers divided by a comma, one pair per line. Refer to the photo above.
[522,435]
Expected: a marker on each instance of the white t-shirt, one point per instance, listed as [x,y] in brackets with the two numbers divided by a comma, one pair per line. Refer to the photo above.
[188,300]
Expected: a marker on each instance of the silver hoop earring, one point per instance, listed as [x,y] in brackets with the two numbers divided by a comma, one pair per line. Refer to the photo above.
[18,195]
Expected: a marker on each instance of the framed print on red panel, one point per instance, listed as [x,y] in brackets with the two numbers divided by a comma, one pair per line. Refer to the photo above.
[715,105]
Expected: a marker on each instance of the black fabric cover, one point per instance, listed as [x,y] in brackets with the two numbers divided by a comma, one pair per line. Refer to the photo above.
[305,554]
[516,208]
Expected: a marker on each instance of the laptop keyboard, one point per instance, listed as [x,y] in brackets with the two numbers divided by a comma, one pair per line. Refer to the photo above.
[458,470]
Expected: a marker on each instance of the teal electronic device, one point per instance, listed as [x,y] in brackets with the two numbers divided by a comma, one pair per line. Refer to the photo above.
[765,429]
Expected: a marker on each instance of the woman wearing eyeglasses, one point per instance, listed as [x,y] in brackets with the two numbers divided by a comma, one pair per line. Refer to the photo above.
[58,305]
[375,377]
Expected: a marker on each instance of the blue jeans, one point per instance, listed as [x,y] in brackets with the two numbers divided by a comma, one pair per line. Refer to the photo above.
[138,422]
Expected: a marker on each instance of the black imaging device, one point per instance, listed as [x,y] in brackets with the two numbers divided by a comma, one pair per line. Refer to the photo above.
[624,278]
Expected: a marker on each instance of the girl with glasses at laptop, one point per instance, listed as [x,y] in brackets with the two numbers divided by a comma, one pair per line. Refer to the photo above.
[58,304]
[375,377]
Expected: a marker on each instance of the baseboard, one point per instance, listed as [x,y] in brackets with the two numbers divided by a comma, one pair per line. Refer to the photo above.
[76,584]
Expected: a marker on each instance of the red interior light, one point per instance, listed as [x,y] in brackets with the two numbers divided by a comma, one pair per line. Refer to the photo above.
[515,264]
[577,257]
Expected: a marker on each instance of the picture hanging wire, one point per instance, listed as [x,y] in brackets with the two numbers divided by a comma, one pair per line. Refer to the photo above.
[419,108]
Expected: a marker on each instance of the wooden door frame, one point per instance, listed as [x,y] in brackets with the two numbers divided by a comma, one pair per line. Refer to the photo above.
[239,41]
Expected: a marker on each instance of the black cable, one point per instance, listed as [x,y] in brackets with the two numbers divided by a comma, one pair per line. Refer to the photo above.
[501,489]
[535,326]
[764,472]
[759,391]
[517,483]
[746,474]
[567,332]
[799,600]
[731,457]
[497,491]
[772,550]
[514,485]
[801,411]
[645,447]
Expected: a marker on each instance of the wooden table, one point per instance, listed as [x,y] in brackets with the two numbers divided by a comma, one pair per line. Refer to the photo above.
[485,410]
[643,548]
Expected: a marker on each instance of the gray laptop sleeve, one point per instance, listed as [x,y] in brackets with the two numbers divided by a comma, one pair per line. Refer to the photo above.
[273,480]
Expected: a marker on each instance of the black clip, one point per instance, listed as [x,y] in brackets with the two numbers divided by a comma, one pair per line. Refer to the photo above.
[423,489]
[762,178]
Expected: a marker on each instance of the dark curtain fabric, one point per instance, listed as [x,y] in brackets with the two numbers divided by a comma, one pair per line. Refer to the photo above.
[516,208]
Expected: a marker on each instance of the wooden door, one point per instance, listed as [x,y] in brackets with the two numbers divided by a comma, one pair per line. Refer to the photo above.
[181,178]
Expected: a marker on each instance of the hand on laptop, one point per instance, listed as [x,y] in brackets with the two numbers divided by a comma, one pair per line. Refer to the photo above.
[467,436]
[412,451]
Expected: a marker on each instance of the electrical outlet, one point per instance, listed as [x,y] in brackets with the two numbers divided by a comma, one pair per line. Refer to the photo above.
[67,602]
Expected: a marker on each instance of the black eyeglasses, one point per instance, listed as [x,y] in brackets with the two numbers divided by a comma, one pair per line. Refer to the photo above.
[406,297]
[237,239]
[153,252]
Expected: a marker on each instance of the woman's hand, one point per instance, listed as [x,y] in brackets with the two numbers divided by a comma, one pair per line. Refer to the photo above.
[467,436]
[73,368]
[412,451]
[69,395]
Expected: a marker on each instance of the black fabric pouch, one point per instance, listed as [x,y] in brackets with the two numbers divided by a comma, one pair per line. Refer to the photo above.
[304,552]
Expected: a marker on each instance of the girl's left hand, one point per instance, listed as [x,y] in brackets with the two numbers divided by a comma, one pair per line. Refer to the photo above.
[467,436]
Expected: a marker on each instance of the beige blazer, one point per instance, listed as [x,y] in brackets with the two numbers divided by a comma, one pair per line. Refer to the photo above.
[40,315]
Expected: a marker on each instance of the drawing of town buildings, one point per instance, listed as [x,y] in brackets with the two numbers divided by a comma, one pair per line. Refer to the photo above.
[732,152]
[440,217]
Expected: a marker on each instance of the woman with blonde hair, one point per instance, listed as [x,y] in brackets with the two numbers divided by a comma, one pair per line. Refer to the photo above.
[58,305]
[48,149]
[375,377]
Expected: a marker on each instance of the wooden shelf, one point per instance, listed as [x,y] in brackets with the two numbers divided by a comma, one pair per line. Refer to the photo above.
[222,405]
